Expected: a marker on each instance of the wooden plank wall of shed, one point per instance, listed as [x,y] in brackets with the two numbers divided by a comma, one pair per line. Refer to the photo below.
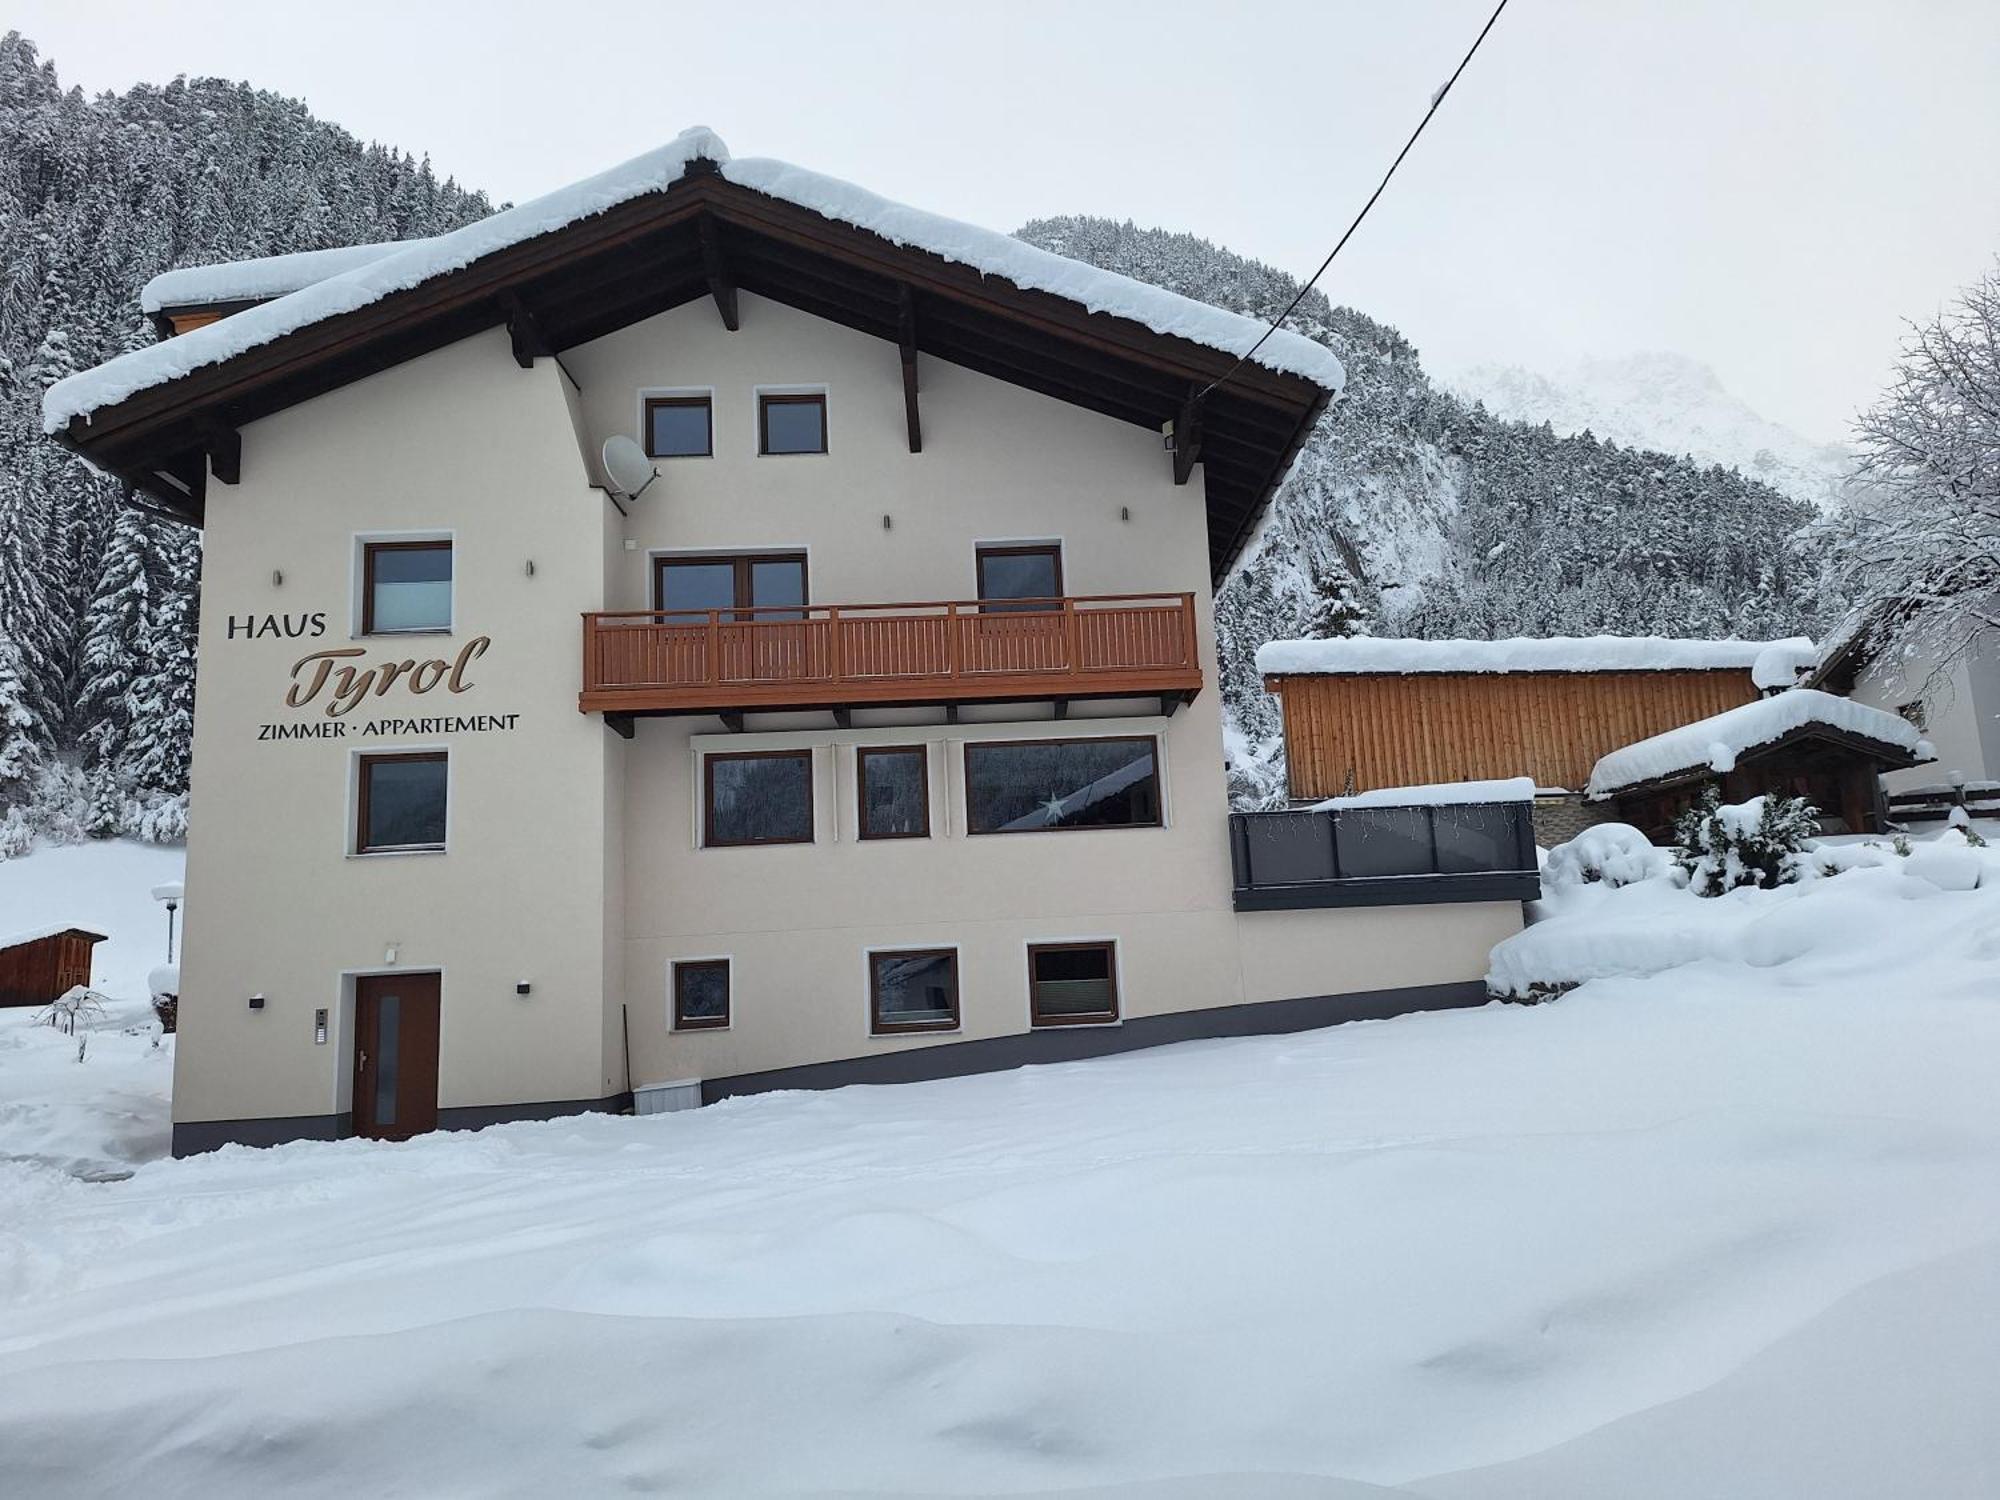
[1437,726]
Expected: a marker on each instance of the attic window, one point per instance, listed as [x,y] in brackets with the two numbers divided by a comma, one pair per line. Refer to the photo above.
[679,427]
[791,423]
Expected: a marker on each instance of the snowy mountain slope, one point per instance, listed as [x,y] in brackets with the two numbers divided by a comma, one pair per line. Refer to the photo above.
[1667,402]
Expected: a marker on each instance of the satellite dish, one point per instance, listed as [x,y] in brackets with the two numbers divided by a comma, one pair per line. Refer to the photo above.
[627,467]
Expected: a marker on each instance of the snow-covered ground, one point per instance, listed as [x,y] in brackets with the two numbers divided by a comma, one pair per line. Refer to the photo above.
[1725,1228]
[98,1115]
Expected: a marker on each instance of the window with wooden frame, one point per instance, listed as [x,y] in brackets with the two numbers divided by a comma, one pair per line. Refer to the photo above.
[769,583]
[757,797]
[400,802]
[893,791]
[1072,984]
[791,423]
[680,427]
[405,588]
[1018,577]
[701,994]
[1034,786]
[913,989]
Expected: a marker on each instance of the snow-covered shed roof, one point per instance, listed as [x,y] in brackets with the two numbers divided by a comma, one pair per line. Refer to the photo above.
[36,934]
[1718,742]
[1363,655]
[687,221]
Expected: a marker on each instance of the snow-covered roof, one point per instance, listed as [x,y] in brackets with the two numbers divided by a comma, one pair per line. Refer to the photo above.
[408,265]
[1717,742]
[261,279]
[36,934]
[1437,794]
[1556,653]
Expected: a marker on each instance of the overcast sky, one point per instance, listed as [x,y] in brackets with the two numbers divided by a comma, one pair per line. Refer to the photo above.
[1770,186]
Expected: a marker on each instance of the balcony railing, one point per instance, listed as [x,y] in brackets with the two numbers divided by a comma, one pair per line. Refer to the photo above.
[1384,856]
[840,656]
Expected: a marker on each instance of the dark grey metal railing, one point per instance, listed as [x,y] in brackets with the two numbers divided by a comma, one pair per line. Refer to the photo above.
[1384,856]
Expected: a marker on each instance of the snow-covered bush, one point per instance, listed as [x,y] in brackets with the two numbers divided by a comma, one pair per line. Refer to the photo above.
[1615,853]
[1757,843]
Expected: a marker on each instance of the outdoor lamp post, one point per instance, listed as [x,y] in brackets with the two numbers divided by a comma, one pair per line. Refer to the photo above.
[170,893]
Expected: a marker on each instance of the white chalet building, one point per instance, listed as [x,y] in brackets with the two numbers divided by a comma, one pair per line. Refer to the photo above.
[876,739]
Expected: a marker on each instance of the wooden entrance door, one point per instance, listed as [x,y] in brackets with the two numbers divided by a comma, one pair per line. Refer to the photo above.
[395,1055]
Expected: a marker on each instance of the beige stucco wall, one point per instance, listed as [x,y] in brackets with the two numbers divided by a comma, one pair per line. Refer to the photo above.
[462,441]
[573,859]
[1960,711]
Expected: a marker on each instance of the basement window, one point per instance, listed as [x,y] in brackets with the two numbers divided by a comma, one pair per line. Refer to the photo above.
[913,990]
[701,994]
[1072,984]
[791,423]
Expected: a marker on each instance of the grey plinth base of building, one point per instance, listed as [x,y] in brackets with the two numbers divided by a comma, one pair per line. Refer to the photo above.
[917,1065]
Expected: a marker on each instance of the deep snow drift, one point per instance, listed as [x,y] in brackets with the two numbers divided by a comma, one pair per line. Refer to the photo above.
[1725,1229]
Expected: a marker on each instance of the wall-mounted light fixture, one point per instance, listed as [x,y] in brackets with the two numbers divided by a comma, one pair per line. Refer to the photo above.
[1124,512]
[886,523]
[277,579]
[522,987]
[531,567]
[256,1002]
[389,953]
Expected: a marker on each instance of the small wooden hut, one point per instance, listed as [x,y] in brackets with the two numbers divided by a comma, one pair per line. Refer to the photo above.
[44,965]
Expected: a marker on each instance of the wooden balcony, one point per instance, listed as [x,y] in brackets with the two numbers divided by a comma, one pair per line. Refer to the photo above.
[839,657]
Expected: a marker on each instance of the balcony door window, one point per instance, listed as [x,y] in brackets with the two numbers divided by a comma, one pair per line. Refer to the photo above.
[1026,577]
[771,584]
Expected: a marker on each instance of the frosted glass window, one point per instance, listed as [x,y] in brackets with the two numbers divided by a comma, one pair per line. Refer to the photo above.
[407,587]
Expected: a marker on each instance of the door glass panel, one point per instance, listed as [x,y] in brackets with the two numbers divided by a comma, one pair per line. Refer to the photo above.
[388,1036]
[781,581]
[1019,575]
[698,586]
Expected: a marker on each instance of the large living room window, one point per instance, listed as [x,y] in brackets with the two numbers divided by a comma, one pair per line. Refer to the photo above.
[400,803]
[757,797]
[1072,984]
[1030,786]
[913,989]
[773,584]
[405,587]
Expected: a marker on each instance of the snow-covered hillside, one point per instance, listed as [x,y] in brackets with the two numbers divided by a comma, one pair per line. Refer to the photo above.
[1666,402]
[1720,1223]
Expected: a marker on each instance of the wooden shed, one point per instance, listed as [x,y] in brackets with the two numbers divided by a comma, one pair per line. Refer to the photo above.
[41,966]
[1365,713]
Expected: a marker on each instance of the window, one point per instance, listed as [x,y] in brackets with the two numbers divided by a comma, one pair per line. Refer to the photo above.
[767,582]
[894,791]
[401,802]
[791,424]
[1015,573]
[1023,786]
[405,586]
[701,995]
[1072,984]
[679,427]
[758,797]
[913,990]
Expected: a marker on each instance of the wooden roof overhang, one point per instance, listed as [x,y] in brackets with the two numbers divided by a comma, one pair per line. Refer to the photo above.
[1824,736]
[707,237]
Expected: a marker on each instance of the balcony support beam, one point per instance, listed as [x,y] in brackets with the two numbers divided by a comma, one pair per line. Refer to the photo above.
[620,725]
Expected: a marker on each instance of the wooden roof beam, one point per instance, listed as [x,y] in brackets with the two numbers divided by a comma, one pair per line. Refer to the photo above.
[906,344]
[720,285]
[1187,438]
[224,450]
[524,331]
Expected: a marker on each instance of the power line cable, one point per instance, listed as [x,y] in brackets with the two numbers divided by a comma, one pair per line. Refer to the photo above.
[1437,99]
